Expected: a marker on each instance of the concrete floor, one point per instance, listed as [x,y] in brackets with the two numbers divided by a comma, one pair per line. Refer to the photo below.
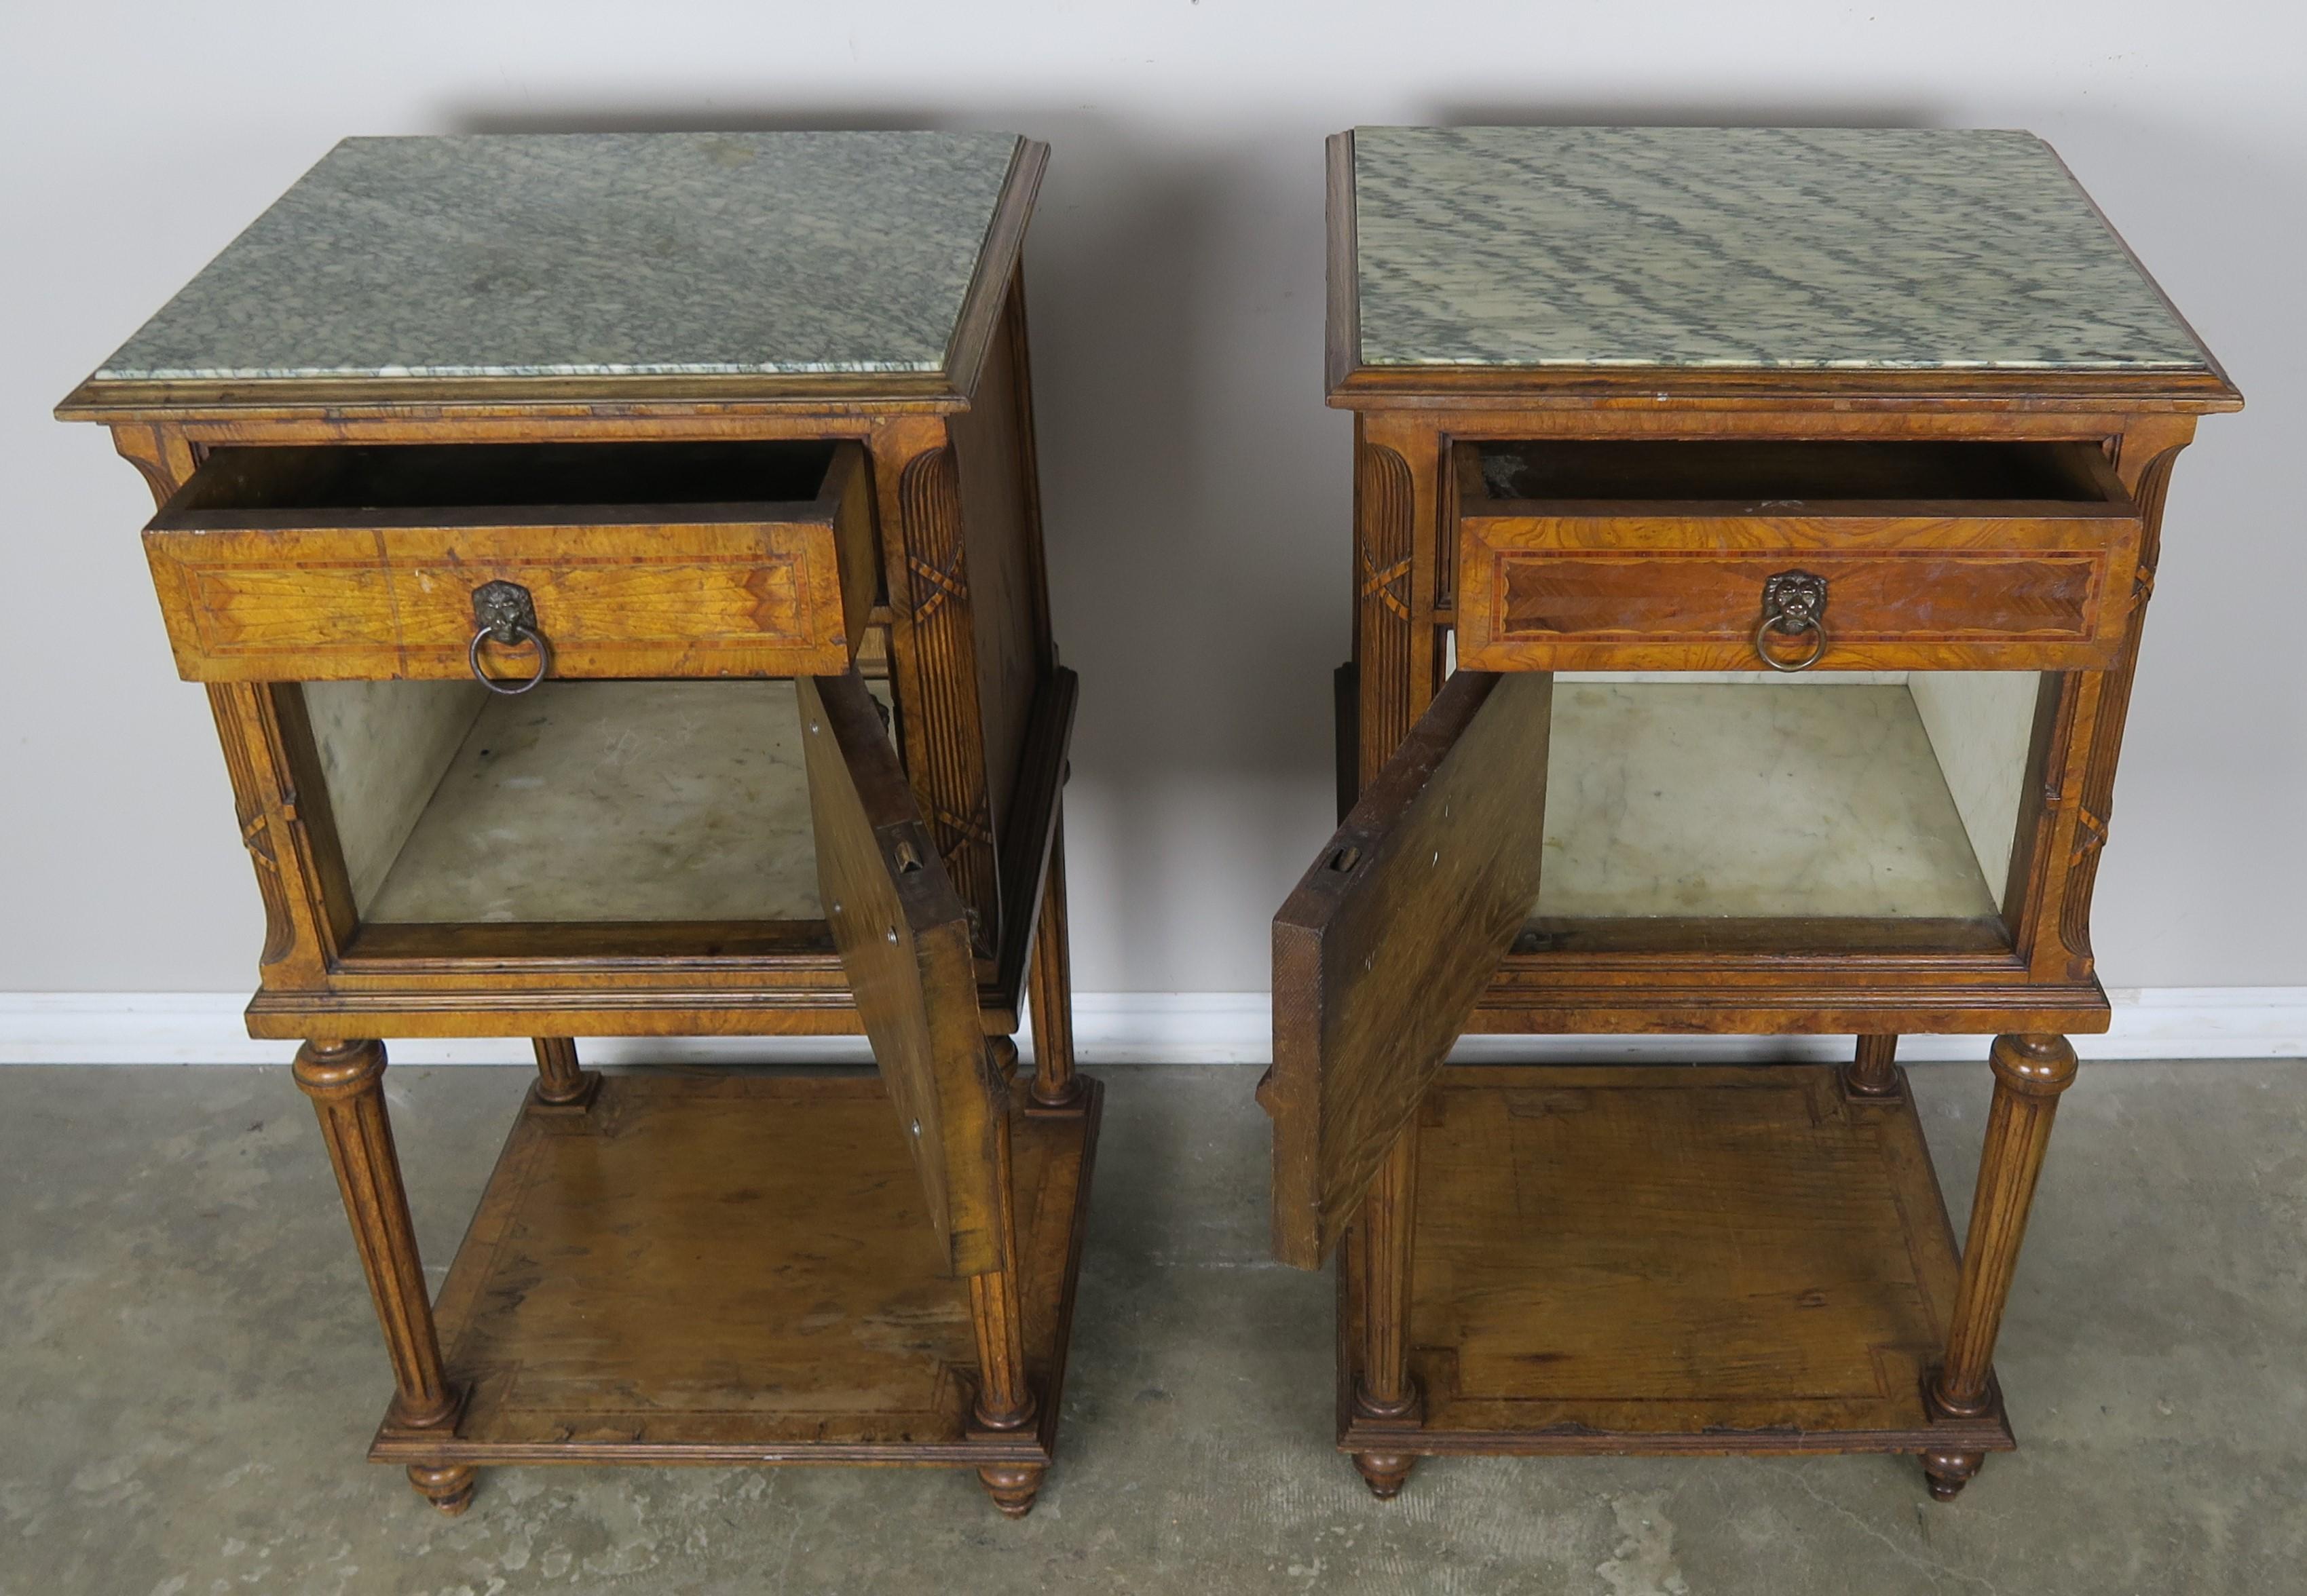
[189,1374]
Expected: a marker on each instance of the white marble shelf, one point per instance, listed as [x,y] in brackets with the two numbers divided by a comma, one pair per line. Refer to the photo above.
[1765,800]
[1807,248]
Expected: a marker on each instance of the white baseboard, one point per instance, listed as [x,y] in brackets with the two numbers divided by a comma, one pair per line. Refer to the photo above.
[200,1028]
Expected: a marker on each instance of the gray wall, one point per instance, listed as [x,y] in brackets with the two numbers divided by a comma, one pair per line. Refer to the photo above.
[1196,488]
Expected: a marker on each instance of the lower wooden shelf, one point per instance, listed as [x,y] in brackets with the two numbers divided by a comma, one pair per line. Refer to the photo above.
[1677,1260]
[715,1268]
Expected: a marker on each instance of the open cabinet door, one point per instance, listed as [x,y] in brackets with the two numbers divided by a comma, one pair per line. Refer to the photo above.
[904,938]
[1386,946]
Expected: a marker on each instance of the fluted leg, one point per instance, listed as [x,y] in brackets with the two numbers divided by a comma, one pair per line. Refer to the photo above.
[2031,1071]
[1005,1404]
[346,1082]
[1873,1073]
[1385,1391]
[560,1083]
[1049,988]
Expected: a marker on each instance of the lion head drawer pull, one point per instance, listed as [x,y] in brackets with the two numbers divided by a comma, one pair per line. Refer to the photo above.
[1794,602]
[506,615]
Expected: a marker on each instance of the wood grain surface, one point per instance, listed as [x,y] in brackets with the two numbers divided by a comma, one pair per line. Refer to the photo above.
[1382,951]
[904,938]
[260,582]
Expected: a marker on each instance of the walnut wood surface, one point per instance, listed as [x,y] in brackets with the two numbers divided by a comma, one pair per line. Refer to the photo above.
[1672,1261]
[904,936]
[1389,939]
[708,1267]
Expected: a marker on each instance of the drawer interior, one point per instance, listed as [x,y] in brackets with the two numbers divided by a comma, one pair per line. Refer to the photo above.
[580,802]
[1756,472]
[1727,796]
[506,475]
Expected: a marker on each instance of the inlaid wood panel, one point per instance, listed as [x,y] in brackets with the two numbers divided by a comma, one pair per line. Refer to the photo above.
[272,566]
[1656,556]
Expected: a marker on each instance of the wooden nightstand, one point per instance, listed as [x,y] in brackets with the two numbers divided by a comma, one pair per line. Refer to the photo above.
[1787,502]
[616,565]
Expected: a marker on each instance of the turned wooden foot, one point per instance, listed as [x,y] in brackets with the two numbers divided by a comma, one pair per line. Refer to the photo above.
[1384,1472]
[449,1486]
[1013,1490]
[1949,1472]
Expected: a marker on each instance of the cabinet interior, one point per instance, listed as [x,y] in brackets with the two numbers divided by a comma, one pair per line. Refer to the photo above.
[578,802]
[1881,796]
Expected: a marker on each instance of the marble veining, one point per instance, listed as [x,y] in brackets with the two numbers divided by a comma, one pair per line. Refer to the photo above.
[1727,798]
[1823,247]
[593,254]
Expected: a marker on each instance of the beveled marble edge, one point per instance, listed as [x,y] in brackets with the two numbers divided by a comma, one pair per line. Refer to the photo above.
[2196,390]
[111,400]
[2202,386]
[946,385]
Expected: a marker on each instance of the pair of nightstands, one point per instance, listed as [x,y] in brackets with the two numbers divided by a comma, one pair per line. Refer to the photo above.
[619,587]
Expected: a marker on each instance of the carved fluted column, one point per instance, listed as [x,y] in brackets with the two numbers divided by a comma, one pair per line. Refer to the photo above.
[2031,1071]
[1006,1403]
[561,1082]
[1873,1072]
[345,1079]
[1385,1391]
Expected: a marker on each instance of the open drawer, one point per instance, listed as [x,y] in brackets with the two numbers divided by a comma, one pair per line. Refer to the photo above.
[514,561]
[1664,555]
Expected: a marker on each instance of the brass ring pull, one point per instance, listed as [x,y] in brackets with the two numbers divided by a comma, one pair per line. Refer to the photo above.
[1794,602]
[507,617]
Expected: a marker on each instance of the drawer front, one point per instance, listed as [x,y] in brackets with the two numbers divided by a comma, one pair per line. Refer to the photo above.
[674,591]
[1532,599]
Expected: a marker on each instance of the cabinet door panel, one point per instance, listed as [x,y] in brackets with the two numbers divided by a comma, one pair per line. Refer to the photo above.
[1389,941]
[904,938]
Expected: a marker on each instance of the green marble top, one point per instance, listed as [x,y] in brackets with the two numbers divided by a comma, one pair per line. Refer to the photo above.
[593,255]
[1824,248]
